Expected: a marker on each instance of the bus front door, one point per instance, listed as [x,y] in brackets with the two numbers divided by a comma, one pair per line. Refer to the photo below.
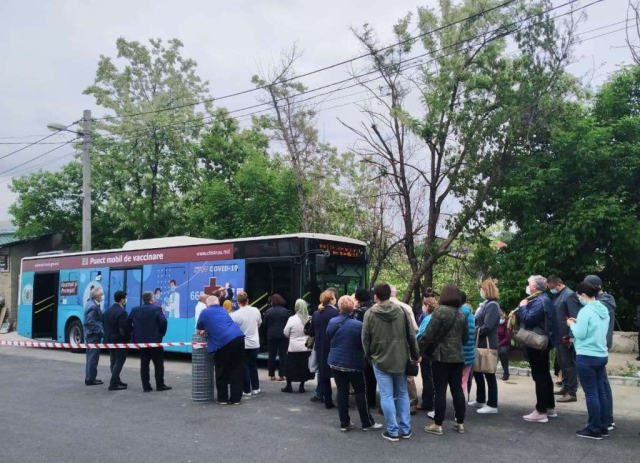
[45,305]
[129,281]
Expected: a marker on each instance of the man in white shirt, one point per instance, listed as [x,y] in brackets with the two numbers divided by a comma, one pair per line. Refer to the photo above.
[173,301]
[200,306]
[411,383]
[248,318]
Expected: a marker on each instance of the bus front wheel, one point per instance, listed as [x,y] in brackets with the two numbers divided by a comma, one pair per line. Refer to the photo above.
[75,334]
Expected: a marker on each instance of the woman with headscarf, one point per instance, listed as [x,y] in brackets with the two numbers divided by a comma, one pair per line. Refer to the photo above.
[298,353]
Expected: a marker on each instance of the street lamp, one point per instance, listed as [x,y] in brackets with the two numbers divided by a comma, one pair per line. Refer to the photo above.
[86,174]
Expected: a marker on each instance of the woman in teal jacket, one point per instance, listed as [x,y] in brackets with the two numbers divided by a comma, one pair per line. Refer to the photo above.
[590,339]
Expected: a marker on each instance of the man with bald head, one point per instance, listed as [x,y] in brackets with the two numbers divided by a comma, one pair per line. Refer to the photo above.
[225,340]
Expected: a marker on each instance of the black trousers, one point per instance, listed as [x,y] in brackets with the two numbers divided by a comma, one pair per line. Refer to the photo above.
[370,384]
[427,384]
[356,380]
[117,358]
[539,362]
[278,347]
[230,367]
[155,355]
[251,381]
[503,353]
[448,374]
[481,394]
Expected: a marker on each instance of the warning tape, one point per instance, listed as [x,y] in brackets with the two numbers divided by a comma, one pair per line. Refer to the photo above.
[85,345]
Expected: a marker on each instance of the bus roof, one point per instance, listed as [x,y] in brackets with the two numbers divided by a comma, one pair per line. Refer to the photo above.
[184,241]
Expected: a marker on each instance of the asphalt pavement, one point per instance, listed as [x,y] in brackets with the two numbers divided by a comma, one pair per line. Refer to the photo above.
[47,414]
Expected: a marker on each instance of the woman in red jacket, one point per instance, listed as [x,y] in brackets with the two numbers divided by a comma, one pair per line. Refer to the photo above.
[504,345]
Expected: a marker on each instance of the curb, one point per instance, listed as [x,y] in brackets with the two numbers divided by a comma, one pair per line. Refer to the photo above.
[618,380]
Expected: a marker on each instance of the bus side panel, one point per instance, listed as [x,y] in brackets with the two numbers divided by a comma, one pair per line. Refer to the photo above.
[74,293]
[25,304]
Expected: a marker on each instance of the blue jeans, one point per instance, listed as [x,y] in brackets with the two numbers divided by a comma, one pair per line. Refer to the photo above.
[394,400]
[592,373]
[93,356]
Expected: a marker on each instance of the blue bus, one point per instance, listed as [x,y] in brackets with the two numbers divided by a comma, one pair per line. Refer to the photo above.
[54,288]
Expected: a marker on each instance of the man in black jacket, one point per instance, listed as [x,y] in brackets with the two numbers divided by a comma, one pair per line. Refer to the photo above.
[566,306]
[363,303]
[148,324]
[115,331]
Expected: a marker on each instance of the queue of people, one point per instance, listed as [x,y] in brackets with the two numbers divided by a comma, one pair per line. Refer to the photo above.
[372,341]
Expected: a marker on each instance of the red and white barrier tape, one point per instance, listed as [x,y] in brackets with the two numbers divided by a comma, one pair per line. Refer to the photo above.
[84,345]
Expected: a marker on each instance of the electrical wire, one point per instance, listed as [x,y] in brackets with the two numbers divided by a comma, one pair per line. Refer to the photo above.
[37,157]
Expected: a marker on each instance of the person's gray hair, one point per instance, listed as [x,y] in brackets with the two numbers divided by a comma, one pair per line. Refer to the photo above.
[539,281]
[147,297]
[394,291]
[212,300]
[95,291]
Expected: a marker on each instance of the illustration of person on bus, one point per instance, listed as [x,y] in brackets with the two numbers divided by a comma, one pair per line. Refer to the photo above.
[173,301]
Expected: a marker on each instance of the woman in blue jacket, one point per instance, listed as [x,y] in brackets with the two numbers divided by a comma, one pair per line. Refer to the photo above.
[346,360]
[590,340]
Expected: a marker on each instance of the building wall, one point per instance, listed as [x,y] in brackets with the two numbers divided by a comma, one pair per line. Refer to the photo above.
[10,281]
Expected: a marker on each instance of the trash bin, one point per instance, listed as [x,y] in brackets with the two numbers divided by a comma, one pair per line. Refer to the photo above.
[202,373]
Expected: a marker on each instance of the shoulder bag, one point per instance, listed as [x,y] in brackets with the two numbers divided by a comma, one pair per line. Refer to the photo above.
[533,340]
[411,368]
[486,358]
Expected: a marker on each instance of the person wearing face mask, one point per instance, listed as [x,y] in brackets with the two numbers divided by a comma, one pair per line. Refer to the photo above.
[504,345]
[590,333]
[566,306]
[486,326]
[429,305]
[116,331]
[535,313]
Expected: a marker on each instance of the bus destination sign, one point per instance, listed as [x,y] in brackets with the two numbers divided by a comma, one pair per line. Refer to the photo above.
[341,249]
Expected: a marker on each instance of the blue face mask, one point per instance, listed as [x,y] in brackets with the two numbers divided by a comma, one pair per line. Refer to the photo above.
[173,289]
[583,302]
[554,291]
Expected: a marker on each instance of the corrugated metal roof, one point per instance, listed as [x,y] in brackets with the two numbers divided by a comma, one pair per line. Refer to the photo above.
[7,238]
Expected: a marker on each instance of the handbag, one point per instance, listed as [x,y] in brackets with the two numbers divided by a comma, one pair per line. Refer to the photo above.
[486,358]
[311,340]
[533,340]
[410,368]
[313,362]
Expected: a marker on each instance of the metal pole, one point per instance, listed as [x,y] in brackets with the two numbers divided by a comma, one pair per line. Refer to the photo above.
[86,181]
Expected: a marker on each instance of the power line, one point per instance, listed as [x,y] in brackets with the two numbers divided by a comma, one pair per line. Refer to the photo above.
[36,142]
[37,157]
[37,166]
[515,23]
[341,63]
[28,143]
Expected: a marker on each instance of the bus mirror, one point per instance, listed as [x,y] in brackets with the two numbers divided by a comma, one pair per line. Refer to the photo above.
[321,261]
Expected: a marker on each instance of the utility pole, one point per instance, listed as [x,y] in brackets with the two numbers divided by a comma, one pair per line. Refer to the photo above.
[86,181]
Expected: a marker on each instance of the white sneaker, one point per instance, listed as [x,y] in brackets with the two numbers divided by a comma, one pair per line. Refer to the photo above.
[246,394]
[487,410]
[431,415]
[256,391]
[552,413]
[476,404]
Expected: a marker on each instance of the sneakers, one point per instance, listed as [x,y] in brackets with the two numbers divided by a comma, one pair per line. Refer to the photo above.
[373,427]
[434,429]
[476,404]
[459,427]
[347,428]
[567,398]
[407,435]
[611,427]
[487,410]
[246,394]
[562,391]
[551,413]
[536,417]
[605,433]
[256,392]
[389,437]
[587,434]
[431,415]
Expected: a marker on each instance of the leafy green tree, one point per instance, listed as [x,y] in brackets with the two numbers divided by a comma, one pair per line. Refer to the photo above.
[575,203]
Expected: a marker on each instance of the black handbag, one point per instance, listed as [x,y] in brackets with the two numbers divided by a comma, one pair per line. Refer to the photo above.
[411,369]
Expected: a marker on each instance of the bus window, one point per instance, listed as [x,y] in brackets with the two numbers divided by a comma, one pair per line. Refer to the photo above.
[133,288]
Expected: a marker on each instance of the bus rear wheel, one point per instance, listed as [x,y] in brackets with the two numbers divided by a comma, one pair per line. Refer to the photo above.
[75,334]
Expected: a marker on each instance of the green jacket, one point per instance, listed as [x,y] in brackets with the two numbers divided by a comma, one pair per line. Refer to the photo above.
[450,349]
[388,337]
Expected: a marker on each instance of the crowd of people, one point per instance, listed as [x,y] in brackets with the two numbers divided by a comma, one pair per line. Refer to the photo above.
[371,342]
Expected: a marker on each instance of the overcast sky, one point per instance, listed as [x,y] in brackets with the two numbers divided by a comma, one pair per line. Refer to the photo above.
[50,51]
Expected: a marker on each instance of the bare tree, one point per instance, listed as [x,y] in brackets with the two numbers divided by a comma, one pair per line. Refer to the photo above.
[633,14]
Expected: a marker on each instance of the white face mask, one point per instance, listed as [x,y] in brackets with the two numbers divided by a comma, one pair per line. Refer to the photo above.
[482,294]
[528,291]
[502,321]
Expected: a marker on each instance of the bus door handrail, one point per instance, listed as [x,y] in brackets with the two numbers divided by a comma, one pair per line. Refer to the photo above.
[44,300]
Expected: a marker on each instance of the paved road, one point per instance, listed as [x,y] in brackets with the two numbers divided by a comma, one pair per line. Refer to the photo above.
[48,415]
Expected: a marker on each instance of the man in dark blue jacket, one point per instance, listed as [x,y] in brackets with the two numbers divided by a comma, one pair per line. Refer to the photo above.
[148,324]
[116,331]
[93,333]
